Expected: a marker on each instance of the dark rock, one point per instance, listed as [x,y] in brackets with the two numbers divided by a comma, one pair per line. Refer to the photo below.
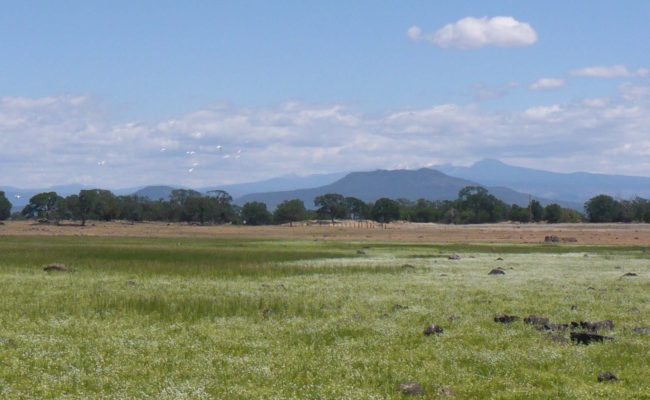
[56,268]
[398,307]
[361,253]
[593,326]
[642,330]
[536,320]
[551,239]
[411,389]
[433,329]
[453,318]
[454,257]
[499,259]
[280,286]
[630,274]
[505,319]
[574,307]
[131,283]
[497,271]
[408,266]
[586,338]
[606,377]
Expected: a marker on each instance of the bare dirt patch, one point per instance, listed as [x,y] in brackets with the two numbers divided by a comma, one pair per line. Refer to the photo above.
[584,234]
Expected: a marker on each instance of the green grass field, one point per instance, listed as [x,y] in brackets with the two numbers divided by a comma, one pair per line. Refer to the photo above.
[201,319]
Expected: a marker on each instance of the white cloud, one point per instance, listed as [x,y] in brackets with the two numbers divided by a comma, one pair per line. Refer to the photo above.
[58,140]
[414,33]
[643,72]
[471,33]
[608,72]
[547,84]
[549,113]
[595,102]
[632,92]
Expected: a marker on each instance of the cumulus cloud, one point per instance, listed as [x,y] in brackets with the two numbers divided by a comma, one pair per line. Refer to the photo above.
[547,84]
[471,33]
[610,72]
[414,33]
[58,140]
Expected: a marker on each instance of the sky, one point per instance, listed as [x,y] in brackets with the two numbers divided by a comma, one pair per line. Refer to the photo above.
[118,94]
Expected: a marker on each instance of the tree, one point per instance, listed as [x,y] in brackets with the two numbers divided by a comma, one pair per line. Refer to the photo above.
[477,206]
[96,204]
[331,205]
[132,208]
[553,213]
[385,210]
[569,215]
[255,213]
[603,208]
[5,207]
[290,211]
[536,211]
[181,207]
[519,214]
[357,208]
[221,206]
[43,205]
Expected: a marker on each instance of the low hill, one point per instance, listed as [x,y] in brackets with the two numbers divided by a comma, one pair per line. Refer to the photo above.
[407,184]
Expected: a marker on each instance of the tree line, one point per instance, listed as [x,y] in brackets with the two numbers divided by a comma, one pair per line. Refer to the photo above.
[474,205]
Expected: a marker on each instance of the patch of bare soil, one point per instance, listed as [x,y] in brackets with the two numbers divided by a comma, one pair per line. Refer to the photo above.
[580,234]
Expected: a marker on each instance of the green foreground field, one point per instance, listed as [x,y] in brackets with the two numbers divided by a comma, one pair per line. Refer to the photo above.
[225,319]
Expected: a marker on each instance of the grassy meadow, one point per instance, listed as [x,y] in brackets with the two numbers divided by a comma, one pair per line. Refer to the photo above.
[241,319]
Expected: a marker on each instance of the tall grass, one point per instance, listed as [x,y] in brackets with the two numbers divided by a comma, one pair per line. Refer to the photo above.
[152,318]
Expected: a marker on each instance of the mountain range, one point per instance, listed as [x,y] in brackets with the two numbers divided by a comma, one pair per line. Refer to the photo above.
[423,183]
[574,187]
[509,183]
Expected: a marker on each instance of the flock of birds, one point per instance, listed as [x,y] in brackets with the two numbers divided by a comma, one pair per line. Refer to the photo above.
[192,153]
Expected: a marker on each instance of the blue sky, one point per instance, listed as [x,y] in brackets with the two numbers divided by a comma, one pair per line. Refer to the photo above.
[199,93]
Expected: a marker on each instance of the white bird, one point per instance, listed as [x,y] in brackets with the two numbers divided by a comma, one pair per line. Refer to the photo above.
[239,151]
[101,162]
[17,196]
[195,164]
[226,156]
[190,152]
[163,149]
[190,170]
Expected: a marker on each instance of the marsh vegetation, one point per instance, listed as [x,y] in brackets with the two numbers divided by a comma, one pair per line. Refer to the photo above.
[218,318]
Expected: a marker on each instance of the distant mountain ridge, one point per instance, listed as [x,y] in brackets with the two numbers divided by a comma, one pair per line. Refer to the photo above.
[407,184]
[287,182]
[575,187]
